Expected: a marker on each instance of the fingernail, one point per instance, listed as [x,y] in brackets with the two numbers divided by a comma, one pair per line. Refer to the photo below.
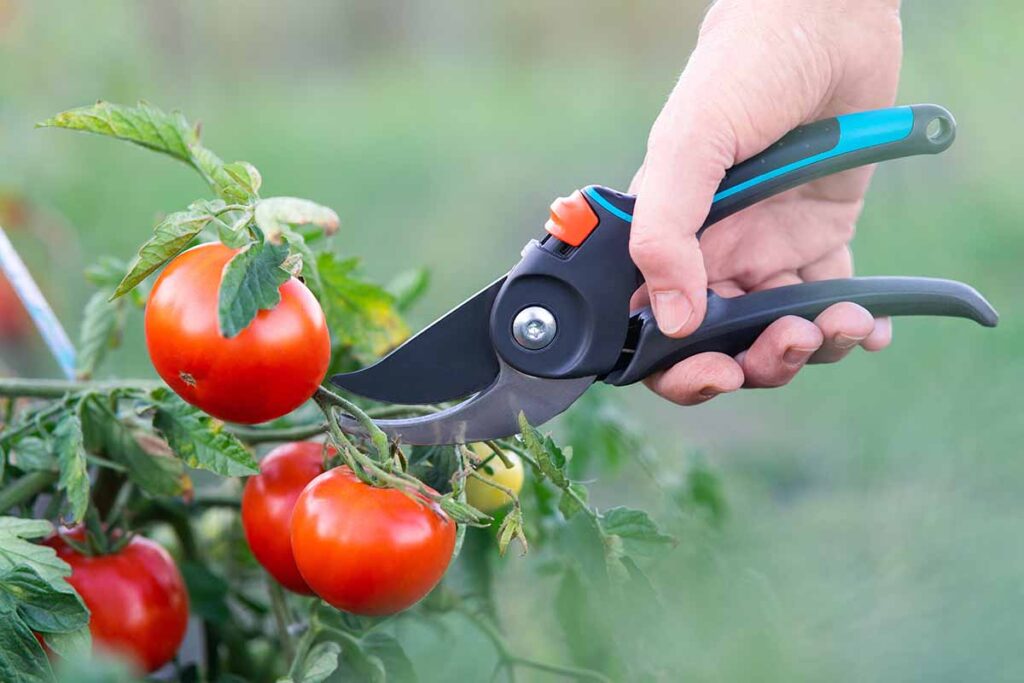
[672,310]
[710,392]
[844,341]
[797,356]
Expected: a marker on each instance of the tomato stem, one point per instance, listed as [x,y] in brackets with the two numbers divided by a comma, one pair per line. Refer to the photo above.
[35,387]
[24,488]
[281,617]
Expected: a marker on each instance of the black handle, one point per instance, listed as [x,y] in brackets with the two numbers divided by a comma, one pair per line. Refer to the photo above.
[830,146]
[731,325]
[813,151]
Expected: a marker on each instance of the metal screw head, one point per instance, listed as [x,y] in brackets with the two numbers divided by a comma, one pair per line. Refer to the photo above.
[534,327]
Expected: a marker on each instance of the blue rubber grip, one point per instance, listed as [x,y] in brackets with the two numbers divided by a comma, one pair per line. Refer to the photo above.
[830,146]
[811,152]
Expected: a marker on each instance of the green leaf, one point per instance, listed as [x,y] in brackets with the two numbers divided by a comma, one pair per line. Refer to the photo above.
[511,528]
[16,551]
[361,315]
[99,332]
[143,124]
[568,505]
[22,659]
[106,272]
[43,607]
[636,528]
[170,237]
[434,466]
[702,491]
[74,474]
[250,284]
[207,592]
[356,663]
[551,459]
[237,182]
[168,133]
[32,454]
[319,663]
[275,214]
[106,435]
[408,287]
[71,645]
[390,652]
[198,439]
[586,632]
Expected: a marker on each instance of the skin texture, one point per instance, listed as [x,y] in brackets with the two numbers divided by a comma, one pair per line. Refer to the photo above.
[367,550]
[487,498]
[267,504]
[266,371]
[760,68]
[137,600]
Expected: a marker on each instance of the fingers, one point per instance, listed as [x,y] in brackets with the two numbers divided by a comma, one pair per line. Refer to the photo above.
[697,379]
[880,337]
[778,354]
[843,326]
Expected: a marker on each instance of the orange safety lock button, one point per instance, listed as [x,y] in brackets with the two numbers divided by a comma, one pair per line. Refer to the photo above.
[572,220]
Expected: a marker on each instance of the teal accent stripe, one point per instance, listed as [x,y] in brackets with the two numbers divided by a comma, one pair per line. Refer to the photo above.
[607,206]
[856,131]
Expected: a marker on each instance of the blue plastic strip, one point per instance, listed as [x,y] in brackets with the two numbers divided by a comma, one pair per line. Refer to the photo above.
[607,206]
[35,303]
[856,131]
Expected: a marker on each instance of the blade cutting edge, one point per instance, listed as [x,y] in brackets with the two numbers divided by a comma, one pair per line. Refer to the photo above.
[451,358]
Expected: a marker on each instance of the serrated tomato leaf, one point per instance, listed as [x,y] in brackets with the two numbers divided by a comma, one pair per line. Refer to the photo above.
[100,332]
[32,454]
[553,461]
[22,659]
[362,316]
[41,606]
[106,435]
[250,284]
[198,439]
[170,237]
[275,214]
[16,550]
[68,442]
[168,133]
[636,528]
[75,644]
[320,662]
[143,124]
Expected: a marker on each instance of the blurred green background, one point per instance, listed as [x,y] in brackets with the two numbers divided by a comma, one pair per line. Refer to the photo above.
[875,507]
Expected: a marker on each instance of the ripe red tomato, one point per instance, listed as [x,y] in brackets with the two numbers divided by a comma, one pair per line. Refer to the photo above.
[267,505]
[267,370]
[367,550]
[136,596]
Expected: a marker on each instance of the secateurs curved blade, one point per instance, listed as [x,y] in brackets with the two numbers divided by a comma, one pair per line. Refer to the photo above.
[534,340]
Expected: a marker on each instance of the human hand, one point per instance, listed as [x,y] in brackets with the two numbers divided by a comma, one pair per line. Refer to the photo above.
[760,68]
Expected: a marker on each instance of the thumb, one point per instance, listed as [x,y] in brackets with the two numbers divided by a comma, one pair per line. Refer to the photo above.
[688,152]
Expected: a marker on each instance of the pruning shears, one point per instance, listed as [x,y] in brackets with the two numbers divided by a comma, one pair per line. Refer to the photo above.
[535,339]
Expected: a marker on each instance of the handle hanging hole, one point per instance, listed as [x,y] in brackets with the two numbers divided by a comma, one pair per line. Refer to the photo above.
[939,130]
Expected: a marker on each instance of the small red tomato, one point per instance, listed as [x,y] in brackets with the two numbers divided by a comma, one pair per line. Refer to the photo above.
[269,369]
[136,596]
[368,550]
[267,505]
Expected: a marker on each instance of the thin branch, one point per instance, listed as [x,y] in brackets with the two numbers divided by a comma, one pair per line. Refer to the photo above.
[56,388]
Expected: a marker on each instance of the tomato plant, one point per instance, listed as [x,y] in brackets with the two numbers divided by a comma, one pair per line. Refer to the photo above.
[267,504]
[250,308]
[265,371]
[367,550]
[136,598]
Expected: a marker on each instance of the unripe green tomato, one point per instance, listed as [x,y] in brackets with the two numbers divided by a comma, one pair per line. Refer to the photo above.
[486,498]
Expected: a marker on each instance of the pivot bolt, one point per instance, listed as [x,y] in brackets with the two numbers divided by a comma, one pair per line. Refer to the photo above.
[534,327]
